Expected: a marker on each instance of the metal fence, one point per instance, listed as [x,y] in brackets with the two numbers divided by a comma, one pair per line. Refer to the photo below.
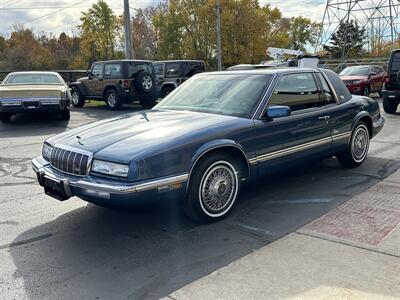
[68,75]
[338,65]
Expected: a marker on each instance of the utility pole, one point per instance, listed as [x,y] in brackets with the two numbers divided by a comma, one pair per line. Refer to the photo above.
[128,34]
[219,58]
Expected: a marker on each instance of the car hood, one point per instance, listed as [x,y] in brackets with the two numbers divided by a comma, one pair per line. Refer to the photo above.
[128,136]
[31,90]
[354,77]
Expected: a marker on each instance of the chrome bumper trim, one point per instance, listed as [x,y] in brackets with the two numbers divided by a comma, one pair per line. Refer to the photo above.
[378,123]
[39,165]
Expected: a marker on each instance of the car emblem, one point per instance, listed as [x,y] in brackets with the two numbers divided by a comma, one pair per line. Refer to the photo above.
[30,93]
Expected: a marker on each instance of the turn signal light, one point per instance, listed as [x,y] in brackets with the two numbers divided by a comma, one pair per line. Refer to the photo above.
[387,78]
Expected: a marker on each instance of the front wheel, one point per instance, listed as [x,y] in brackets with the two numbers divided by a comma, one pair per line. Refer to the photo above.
[77,99]
[357,151]
[213,188]
[367,91]
[390,105]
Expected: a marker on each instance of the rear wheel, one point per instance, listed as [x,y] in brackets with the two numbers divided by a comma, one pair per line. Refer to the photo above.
[357,150]
[166,90]
[390,105]
[78,100]
[213,188]
[5,117]
[64,115]
[113,100]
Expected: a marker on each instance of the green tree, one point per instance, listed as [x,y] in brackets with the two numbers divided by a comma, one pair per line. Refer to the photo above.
[99,31]
[302,31]
[348,40]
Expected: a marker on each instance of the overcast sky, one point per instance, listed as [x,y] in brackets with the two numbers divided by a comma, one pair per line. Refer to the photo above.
[63,15]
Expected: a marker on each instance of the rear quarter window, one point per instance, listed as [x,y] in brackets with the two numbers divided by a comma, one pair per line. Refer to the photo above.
[340,88]
[134,68]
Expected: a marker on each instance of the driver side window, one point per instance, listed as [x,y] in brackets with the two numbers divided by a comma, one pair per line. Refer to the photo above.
[298,91]
[97,70]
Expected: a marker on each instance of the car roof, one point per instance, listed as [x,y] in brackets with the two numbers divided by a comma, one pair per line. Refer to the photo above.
[34,72]
[265,71]
[178,60]
[123,60]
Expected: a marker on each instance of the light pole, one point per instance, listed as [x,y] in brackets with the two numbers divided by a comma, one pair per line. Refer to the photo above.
[219,58]
[128,34]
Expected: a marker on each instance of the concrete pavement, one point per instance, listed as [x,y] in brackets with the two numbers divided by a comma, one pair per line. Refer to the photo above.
[352,252]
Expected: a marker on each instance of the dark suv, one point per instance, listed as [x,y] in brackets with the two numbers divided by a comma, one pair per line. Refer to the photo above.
[391,89]
[171,73]
[117,82]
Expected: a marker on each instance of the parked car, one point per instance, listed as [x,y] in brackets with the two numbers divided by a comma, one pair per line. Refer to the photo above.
[202,141]
[117,82]
[22,92]
[391,89]
[363,80]
[172,73]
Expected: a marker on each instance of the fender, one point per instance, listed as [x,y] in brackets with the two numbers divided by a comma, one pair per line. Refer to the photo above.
[212,145]
[80,87]
[360,115]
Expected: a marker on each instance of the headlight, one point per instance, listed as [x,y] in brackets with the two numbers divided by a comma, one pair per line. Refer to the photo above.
[110,168]
[357,81]
[46,151]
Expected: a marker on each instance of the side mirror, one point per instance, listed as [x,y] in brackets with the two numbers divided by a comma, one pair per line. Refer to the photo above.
[277,111]
[89,74]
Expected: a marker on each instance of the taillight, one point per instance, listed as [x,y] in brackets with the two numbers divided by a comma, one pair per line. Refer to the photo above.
[386,78]
[125,83]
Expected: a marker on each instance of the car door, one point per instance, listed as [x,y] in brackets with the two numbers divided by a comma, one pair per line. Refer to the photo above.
[302,134]
[95,82]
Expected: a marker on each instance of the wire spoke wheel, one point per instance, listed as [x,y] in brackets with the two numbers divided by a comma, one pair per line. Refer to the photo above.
[360,143]
[218,188]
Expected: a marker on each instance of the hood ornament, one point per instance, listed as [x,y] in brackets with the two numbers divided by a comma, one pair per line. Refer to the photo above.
[79,140]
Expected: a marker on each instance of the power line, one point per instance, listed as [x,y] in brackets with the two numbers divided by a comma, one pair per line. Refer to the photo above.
[54,12]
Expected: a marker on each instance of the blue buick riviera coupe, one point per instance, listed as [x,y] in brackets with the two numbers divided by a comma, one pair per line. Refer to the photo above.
[208,136]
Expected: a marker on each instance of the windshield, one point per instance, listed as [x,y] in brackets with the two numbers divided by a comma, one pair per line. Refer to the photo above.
[233,94]
[356,71]
[32,79]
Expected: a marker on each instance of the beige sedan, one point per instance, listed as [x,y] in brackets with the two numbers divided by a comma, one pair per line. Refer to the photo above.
[22,92]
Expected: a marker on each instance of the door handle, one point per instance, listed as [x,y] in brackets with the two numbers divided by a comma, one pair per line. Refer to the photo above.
[324,118]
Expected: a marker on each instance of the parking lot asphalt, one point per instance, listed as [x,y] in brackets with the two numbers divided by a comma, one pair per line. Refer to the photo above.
[75,250]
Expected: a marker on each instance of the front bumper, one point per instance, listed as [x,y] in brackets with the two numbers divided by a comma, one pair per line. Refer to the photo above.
[25,105]
[356,89]
[107,191]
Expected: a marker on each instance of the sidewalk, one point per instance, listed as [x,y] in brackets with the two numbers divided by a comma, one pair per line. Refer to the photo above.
[352,252]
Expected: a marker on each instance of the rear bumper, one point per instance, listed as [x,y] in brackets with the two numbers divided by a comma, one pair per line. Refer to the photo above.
[19,106]
[391,94]
[107,191]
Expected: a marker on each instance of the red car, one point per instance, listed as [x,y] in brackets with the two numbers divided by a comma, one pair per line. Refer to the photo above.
[363,80]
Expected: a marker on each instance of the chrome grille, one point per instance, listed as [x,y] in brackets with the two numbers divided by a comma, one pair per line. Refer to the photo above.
[69,160]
